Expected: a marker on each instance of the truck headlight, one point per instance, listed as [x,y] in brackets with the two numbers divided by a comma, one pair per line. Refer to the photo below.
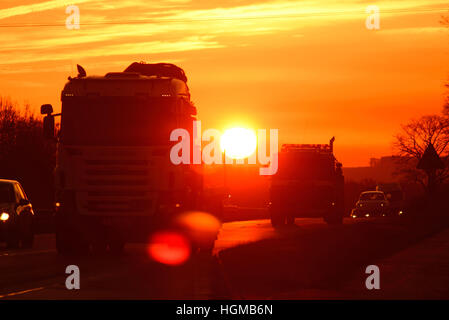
[4,216]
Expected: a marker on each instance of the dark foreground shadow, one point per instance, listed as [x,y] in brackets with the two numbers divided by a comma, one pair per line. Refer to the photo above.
[322,258]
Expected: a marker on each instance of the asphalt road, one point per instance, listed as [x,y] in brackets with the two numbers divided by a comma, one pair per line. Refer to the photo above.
[250,260]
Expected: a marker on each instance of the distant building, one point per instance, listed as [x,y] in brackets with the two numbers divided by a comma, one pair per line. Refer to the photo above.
[380,170]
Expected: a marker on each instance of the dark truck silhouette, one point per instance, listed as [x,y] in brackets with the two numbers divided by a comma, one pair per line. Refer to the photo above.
[309,183]
[115,182]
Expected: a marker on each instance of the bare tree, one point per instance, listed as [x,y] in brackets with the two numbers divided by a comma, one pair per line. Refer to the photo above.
[411,143]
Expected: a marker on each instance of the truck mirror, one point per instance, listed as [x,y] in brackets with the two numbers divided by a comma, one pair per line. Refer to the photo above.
[46,109]
[49,127]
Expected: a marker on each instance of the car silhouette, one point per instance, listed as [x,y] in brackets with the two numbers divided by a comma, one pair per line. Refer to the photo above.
[16,215]
[371,204]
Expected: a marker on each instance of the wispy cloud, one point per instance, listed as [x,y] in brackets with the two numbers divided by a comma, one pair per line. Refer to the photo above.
[37,7]
[143,48]
[414,30]
[140,26]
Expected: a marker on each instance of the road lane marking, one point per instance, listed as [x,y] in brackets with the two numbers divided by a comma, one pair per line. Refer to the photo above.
[20,292]
[12,254]
[60,285]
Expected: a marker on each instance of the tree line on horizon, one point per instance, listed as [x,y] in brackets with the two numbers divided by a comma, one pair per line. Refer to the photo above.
[24,153]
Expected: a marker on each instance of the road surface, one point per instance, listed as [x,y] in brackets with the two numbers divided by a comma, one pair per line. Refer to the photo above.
[250,260]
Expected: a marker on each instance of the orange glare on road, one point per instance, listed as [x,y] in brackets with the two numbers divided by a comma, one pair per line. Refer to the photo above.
[169,248]
[199,221]
[201,227]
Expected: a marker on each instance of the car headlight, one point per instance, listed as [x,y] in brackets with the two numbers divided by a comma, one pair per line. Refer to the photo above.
[4,216]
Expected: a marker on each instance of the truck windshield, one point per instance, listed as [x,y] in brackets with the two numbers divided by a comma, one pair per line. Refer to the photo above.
[115,121]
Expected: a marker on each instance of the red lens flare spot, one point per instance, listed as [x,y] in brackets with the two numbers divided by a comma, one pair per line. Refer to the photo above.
[169,248]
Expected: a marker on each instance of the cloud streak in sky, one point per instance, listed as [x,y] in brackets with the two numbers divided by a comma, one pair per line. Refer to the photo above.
[131,25]
[37,7]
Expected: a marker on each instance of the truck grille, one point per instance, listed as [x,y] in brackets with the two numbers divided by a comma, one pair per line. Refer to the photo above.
[118,186]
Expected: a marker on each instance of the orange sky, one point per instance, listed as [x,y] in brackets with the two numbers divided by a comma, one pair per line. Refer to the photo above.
[309,68]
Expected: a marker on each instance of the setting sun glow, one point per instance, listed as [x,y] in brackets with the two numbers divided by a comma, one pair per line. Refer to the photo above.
[238,143]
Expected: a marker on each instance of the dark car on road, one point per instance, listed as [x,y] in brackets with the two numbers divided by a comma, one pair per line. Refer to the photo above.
[16,215]
[371,204]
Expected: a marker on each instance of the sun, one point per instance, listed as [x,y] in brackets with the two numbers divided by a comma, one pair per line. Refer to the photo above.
[238,143]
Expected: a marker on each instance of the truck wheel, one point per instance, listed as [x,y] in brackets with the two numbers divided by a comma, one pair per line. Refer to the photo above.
[117,247]
[12,242]
[66,245]
[277,219]
[26,233]
[62,243]
[100,240]
[99,246]
[69,242]
[28,240]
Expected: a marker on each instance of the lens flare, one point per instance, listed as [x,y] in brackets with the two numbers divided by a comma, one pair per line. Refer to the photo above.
[199,222]
[169,248]
[202,227]
[238,143]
